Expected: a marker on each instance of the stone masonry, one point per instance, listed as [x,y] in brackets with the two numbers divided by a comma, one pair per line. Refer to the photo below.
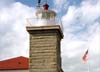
[45,48]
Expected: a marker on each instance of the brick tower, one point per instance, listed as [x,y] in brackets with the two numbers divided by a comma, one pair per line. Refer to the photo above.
[45,45]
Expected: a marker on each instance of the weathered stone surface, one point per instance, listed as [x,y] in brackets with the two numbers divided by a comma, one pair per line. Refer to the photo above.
[45,48]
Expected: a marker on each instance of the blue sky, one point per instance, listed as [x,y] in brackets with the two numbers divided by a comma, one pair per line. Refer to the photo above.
[33,3]
[81,23]
[50,2]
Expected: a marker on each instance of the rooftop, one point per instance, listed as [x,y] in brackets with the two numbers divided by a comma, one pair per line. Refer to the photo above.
[18,63]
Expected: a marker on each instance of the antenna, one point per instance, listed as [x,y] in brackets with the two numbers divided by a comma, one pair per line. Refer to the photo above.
[39,1]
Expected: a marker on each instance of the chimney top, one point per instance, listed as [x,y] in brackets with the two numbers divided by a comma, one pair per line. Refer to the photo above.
[45,6]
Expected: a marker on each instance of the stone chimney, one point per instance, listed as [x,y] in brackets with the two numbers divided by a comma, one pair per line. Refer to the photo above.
[45,54]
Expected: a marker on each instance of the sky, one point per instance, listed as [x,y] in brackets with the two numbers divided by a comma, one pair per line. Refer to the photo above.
[81,29]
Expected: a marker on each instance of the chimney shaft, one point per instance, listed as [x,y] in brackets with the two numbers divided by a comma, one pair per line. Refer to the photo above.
[45,48]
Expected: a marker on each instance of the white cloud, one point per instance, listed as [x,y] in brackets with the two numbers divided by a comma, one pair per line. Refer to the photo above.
[81,31]
[94,40]
[13,35]
[80,19]
[72,48]
[59,4]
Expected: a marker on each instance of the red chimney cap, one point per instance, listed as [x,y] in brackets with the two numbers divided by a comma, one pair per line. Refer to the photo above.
[46,6]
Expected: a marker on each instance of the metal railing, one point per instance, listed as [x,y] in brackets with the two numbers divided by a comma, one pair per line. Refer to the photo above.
[44,22]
